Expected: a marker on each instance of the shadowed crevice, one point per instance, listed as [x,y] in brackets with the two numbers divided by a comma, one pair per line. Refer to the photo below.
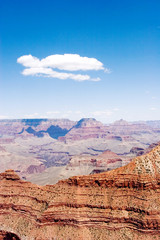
[8,236]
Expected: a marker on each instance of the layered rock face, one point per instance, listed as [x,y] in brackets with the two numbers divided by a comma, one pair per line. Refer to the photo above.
[85,129]
[36,148]
[120,130]
[119,204]
[105,161]
[84,164]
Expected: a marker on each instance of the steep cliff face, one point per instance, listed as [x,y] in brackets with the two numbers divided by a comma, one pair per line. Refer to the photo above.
[120,204]
[85,129]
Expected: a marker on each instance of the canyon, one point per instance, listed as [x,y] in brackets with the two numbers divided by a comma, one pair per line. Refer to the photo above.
[119,204]
[44,151]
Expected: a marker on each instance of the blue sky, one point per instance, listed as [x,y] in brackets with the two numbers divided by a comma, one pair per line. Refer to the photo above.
[122,37]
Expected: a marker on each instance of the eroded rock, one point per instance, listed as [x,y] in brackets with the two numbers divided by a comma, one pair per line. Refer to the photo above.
[119,204]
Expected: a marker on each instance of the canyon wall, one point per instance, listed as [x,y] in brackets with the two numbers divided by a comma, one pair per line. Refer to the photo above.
[119,204]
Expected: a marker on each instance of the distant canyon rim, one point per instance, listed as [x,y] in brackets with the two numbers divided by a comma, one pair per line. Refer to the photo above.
[44,151]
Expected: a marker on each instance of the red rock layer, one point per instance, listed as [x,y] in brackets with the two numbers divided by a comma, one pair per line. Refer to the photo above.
[107,160]
[120,130]
[120,204]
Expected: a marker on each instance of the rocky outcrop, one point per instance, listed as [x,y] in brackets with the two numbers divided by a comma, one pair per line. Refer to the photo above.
[138,151]
[35,169]
[9,175]
[85,129]
[119,204]
[105,161]
[123,127]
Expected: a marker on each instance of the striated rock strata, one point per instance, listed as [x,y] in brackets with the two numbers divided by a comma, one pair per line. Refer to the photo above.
[119,204]
[105,161]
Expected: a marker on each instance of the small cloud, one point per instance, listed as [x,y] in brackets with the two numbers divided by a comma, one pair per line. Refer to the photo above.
[102,113]
[33,115]
[107,70]
[4,117]
[115,109]
[67,62]
[153,109]
[96,79]
[154,97]
[43,116]
[78,112]
[52,112]
[48,72]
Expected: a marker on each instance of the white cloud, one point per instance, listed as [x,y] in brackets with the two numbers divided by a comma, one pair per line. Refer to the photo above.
[153,109]
[102,113]
[4,117]
[53,112]
[67,62]
[115,109]
[48,72]
[78,112]
[33,115]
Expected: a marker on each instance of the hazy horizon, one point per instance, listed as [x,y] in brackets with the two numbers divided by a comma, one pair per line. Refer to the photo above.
[20,119]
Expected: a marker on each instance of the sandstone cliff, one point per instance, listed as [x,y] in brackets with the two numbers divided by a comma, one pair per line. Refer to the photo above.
[119,204]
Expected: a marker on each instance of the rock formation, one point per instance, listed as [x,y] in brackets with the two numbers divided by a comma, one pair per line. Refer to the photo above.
[33,147]
[86,128]
[105,161]
[119,204]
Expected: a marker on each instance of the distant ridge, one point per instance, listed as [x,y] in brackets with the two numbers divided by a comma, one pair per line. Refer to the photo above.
[120,122]
[87,122]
